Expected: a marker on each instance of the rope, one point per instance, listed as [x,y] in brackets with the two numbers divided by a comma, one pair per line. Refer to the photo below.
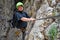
[49,17]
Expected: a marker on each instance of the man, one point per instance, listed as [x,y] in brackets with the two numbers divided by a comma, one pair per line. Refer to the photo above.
[22,18]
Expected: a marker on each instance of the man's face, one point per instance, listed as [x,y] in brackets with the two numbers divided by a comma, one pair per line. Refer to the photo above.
[20,8]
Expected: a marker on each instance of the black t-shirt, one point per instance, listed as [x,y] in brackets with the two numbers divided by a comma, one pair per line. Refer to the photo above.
[19,15]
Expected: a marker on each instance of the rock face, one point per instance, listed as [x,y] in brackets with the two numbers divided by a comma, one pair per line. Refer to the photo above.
[35,8]
[5,13]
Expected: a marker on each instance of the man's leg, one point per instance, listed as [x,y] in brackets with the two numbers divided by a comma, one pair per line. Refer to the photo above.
[23,33]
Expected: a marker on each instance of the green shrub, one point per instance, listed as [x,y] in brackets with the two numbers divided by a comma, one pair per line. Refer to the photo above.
[53,32]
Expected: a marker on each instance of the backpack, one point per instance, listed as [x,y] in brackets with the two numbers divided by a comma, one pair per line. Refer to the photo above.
[13,21]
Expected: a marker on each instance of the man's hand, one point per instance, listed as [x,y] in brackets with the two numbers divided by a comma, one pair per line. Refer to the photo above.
[32,19]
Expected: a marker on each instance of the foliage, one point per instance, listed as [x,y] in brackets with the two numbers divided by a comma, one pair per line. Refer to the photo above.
[53,32]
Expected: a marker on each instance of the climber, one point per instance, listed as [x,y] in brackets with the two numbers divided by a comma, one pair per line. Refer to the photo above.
[22,17]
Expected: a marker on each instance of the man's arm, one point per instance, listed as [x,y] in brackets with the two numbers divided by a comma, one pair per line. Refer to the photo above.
[27,19]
